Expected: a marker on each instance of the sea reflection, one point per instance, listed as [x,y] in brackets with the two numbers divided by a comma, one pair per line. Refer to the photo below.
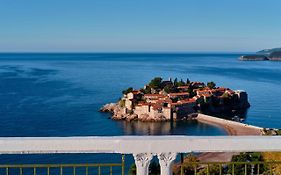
[191,127]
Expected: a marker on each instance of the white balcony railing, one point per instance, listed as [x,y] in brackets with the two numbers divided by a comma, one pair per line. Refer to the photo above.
[143,148]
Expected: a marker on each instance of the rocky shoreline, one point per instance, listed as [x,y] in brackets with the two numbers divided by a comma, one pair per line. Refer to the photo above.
[118,113]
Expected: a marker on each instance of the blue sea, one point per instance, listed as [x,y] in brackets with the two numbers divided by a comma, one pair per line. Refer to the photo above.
[61,94]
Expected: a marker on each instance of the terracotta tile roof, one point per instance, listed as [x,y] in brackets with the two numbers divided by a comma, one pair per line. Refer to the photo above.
[178,94]
[164,101]
[155,107]
[204,92]
[196,97]
[190,100]
[154,96]
[187,101]
[206,95]
[136,92]
[221,89]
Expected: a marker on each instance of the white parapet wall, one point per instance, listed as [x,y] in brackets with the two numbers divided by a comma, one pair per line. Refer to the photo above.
[142,147]
[139,144]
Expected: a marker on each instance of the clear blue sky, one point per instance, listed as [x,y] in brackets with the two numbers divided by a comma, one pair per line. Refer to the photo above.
[139,25]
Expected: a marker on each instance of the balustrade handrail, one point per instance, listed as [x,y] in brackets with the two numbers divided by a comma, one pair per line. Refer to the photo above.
[143,148]
[139,144]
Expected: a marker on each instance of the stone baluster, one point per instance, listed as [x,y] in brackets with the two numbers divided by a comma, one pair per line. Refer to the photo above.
[142,161]
[166,162]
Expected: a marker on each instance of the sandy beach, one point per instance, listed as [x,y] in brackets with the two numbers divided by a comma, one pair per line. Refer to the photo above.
[233,128]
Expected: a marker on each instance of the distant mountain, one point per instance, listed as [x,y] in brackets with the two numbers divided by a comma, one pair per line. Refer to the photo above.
[263,55]
[275,56]
[268,51]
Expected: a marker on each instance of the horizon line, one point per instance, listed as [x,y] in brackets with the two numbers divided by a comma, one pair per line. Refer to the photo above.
[126,52]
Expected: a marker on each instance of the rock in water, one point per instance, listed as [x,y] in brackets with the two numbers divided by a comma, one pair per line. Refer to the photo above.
[109,107]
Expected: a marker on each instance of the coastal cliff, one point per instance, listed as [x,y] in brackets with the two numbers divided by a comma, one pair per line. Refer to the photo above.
[175,100]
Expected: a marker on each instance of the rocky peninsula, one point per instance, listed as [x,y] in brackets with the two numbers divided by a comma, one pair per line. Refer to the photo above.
[264,55]
[169,100]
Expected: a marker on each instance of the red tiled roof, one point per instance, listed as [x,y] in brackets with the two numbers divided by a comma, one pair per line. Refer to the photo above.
[206,95]
[201,92]
[187,101]
[136,92]
[221,88]
[156,107]
[190,100]
[164,101]
[154,96]
[178,94]
[196,97]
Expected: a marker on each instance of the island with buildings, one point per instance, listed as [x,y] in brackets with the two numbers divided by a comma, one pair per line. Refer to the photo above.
[169,100]
[264,55]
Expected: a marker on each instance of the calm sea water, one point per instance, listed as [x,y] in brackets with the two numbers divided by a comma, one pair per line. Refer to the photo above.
[60,94]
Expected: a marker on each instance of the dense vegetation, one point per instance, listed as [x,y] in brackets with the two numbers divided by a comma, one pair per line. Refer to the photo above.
[214,169]
[157,84]
[251,168]
[130,89]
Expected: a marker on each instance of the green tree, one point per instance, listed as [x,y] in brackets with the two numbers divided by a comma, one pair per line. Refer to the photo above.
[155,83]
[211,85]
[122,103]
[187,81]
[175,82]
[181,83]
[212,169]
[188,166]
[191,92]
[170,89]
[146,90]
[167,89]
[130,89]
[247,157]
